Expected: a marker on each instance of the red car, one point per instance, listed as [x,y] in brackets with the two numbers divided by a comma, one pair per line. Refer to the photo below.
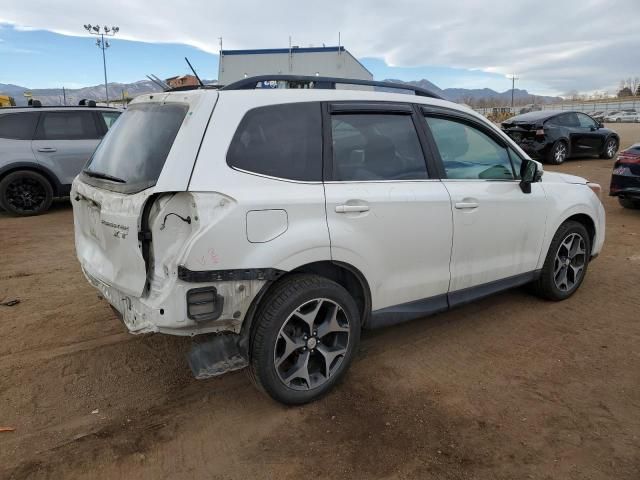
[625,181]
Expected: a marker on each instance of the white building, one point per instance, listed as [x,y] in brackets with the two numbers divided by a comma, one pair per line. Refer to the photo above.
[315,61]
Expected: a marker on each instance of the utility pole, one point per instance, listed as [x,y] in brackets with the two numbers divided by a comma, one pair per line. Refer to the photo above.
[103,44]
[64,96]
[513,78]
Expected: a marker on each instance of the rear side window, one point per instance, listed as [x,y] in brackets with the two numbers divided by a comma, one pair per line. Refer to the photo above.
[468,153]
[283,141]
[136,147]
[376,146]
[18,126]
[74,125]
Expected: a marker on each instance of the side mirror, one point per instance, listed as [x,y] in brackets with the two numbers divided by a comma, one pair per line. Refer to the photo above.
[530,172]
[600,125]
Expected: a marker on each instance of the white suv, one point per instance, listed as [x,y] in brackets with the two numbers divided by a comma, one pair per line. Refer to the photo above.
[286,220]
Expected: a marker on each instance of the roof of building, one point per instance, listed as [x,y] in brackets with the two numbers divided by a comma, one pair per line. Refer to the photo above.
[283,50]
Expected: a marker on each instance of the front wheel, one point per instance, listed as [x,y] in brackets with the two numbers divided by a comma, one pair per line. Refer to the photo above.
[610,148]
[566,263]
[306,334]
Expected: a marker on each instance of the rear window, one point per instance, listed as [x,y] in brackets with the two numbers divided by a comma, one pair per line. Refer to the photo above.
[136,147]
[283,141]
[18,126]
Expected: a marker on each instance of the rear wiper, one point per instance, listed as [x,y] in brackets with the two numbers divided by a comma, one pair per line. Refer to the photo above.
[104,176]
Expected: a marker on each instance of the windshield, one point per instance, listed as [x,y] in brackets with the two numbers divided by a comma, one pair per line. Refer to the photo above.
[136,147]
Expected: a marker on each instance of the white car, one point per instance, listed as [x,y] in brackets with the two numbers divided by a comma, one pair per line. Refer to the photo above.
[286,220]
[623,116]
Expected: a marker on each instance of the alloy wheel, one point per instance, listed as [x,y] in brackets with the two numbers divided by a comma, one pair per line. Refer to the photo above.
[611,148]
[569,263]
[312,344]
[560,153]
[25,195]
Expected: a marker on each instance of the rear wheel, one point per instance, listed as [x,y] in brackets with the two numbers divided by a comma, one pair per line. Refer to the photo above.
[629,203]
[610,148]
[25,193]
[558,153]
[306,334]
[566,263]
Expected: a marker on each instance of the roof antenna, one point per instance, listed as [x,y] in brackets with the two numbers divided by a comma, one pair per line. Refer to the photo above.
[194,71]
[157,83]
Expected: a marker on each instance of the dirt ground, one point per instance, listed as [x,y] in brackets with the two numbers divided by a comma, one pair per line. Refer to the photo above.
[511,387]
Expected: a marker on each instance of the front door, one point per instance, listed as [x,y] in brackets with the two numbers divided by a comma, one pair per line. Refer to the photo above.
[64,142]
[498,229]
[386,216]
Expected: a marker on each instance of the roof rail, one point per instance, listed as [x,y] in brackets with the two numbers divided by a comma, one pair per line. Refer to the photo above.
[251,83]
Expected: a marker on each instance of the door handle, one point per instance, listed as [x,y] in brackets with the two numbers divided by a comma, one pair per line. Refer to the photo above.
[351,208]
[466,205]
[46,149]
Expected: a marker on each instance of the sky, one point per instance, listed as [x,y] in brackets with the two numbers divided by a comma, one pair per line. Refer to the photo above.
[554,47]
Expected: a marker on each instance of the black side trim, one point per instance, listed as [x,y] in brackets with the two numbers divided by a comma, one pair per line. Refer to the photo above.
[201,276]
[404,312]
[466,295]
[407,311]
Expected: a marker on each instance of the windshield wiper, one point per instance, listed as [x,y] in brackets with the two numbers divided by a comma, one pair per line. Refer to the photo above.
[103,176]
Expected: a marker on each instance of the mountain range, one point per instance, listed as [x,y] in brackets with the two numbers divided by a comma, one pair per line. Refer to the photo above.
[467,95]
[54,96]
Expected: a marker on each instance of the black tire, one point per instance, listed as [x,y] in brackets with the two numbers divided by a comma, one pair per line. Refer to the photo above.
[25,193]
[558,153]
[610,148]
[290,295]
[546,285]
[629,203]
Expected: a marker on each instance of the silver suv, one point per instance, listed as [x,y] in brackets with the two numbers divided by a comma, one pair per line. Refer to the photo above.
[42,149]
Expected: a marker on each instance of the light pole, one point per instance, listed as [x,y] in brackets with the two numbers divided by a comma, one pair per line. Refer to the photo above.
[103,44]
[513,78]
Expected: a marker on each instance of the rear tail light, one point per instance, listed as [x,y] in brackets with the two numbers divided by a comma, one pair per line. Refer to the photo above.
[595,188]
[626,158]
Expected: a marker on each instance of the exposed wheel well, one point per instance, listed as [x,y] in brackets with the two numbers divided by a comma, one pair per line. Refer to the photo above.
[588,223]
[343,274]
[55,185]
[347,276]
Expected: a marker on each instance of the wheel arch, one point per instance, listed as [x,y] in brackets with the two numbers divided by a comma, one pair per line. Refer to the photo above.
[33,167]
[586,221]
[342,273]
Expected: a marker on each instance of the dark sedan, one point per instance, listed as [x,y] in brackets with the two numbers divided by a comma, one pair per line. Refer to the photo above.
[625,181]
[553,136]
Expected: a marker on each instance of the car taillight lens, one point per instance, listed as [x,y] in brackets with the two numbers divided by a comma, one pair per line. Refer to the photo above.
[595,188]
[626,158]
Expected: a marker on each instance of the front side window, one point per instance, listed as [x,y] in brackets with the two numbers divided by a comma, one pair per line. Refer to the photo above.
[376,146]
[18,126]
[283,141]
[135,149]
[586,121]
[468,153]
[78,125]
[109,118]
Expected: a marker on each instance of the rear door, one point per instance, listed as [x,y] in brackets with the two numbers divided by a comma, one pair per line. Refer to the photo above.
[498,229]
[387,214]
[65,140]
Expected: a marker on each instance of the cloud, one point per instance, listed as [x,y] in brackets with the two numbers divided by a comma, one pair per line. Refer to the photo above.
[573,44]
